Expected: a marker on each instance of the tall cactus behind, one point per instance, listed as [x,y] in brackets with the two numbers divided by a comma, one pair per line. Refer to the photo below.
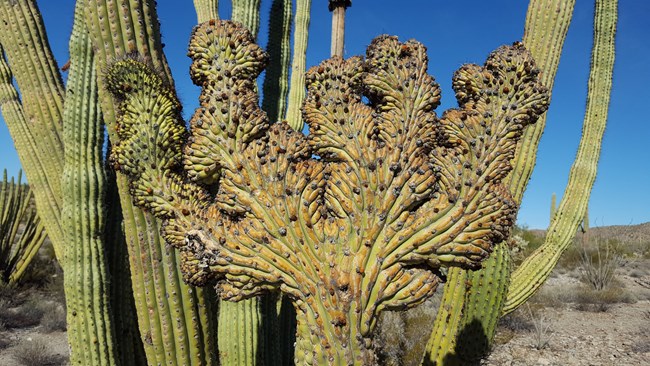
[90,330]
[553,206]
[21,232]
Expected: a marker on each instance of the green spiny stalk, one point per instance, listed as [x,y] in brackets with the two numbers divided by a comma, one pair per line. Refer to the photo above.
[553,206]
[532,273]
[21,232]
[298,65]
[206,10]
[173,318]
[276,82]
[23,36]
[90,330]
[247,12]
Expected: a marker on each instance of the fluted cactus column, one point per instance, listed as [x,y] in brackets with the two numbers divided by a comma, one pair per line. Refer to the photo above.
[90,331]
[17,250]
[362,229]
[298,65]
[35,123]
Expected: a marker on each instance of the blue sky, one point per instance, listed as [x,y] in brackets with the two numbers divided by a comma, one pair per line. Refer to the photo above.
[457,33]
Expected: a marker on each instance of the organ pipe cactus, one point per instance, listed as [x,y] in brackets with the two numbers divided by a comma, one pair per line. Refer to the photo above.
[21,231]
[396,195]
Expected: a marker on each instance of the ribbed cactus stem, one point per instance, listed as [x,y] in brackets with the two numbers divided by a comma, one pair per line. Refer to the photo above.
[90,330]
[33,149]
[276,82]
[17,249]
[553,206]
[23,35]
[337,7]
[238,345]
[547,23]
[206,10]
[247,12]
[298,65]
[173,317]
[532,273]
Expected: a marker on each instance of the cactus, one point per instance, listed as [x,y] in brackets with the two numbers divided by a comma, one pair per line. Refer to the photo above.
[553,206]
[90,331]
[346,236]
[18,245]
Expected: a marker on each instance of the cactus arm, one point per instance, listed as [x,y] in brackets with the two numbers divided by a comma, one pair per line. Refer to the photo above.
[171,316]
[298,65]
[17,251]
[23,36]
[247,12]
[532,273]
[206,10]
[90,329]
[545,40]
[553,206]
[276,82]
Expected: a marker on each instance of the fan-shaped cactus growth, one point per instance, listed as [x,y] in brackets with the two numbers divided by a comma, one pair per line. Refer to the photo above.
[395,194]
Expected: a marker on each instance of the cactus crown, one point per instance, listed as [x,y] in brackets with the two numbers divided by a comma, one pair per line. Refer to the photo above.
[360,214]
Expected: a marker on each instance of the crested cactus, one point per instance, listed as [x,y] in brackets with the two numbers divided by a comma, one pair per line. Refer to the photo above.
[18,245]
[396,194]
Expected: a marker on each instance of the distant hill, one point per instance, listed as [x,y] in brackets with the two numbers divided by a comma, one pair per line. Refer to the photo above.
[623,233]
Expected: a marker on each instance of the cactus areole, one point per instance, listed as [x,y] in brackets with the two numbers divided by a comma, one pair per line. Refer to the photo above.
[355,218]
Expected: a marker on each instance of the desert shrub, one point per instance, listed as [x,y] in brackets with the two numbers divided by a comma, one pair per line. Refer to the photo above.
[37,353]
[54,318]
[26,315]
[588,299]
[599,264]
[401,336]
[542,328]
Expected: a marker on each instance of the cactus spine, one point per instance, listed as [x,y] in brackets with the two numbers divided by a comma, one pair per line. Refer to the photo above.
[17,250]
[90,332]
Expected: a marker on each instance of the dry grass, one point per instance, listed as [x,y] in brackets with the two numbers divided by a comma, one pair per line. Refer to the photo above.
[37,353]
[55,318]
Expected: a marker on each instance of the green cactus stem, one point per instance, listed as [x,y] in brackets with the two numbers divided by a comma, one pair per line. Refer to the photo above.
[173,317]
[35,123]
[17,249]
[298,65]
[90,332]
[247,12]
[206,10]
[532,273]
[362,229]
[337,7]
[276,82]
[553,206]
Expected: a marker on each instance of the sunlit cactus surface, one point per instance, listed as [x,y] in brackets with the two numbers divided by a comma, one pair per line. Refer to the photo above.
[355,218]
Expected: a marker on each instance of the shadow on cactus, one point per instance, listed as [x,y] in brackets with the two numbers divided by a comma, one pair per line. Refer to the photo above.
[394,194]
